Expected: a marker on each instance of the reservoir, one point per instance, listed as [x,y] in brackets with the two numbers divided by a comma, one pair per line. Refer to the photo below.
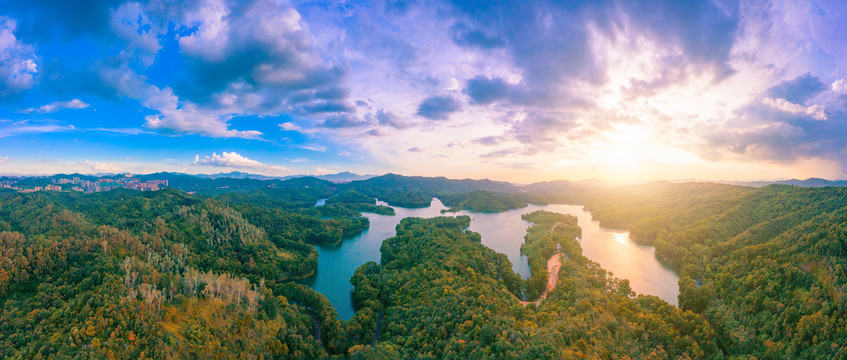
[502,232]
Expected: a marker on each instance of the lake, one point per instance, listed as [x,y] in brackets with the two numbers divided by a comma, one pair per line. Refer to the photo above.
[503,232]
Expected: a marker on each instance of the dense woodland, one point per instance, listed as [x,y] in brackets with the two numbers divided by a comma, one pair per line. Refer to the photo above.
[166,274]
[771,262]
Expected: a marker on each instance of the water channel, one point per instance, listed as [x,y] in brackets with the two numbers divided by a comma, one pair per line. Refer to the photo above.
[503,232]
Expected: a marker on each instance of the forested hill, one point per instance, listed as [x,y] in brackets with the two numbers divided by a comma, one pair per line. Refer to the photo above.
[166,274]
[130,275]
[192,183]
[564,191]
[438,294]
[767,267]
[418,191]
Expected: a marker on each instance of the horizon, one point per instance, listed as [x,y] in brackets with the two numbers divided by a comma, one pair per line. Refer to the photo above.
[518,92]
[222,175]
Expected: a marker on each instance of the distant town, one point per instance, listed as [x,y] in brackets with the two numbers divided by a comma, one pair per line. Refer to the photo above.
[33,184]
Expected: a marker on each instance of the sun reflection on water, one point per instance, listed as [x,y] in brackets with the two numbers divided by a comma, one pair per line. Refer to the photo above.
[621,237]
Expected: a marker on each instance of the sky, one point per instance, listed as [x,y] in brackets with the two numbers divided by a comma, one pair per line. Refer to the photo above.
[519,91]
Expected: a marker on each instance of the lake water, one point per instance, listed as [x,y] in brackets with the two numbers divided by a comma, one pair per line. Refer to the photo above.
[503,232]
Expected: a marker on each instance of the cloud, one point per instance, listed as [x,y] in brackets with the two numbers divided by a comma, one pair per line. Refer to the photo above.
[131,23]
[173,115]
[235,160]
[58,105]
[438,107]
[378,132]
[191,120]
[387,118]
[18,62]
[343,121]
[102,167]
[489,140]
[313,147]
[257,57]
[542,129]
[290,126]
[465,36]
[797,90]
[237,59]
[12,128]
[5,159]
[815,111]
[777,130]
[483,90]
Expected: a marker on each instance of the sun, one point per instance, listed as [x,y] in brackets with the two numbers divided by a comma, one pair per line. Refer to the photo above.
[624,151]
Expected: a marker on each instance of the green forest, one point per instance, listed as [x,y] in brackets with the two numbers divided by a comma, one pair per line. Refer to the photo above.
[126,274]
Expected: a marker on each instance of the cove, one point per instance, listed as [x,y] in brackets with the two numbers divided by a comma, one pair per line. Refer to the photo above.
[502,232]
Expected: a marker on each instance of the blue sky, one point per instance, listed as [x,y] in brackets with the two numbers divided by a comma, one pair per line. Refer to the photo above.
[520,91]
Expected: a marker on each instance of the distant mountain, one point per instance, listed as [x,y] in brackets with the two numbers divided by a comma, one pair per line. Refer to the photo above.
[344,177]
[810,182]
[240,175]
[341,177]
[418,191]
[430,185]
[208,185]
[564,190]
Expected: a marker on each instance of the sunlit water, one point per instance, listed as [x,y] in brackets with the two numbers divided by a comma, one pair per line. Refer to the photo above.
[503,232]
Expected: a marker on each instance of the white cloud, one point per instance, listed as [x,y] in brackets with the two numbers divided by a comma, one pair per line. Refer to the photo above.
[130,22]
[322,171]
[839,86]
[816,111]
[235,160]
[102,167]
[192,120]
[173,114]
[9,128]
[290,126]
[4,159]
[314,147]
[58,105]
[18,66]
[212,35]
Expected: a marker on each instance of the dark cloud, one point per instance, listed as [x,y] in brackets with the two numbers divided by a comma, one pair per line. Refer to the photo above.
[762,132]
[18,61]
[343,121]
[542,129]
[549,42]
[488,140]
[438,107]
[483,90]
[327,107]
[799,89]
[673,71]
[704,31]
[465,36]
[387,118]
[58,19]
[399,7]
[535,132]
[378,132]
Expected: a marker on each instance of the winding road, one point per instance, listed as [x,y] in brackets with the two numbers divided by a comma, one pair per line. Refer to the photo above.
[553,265]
